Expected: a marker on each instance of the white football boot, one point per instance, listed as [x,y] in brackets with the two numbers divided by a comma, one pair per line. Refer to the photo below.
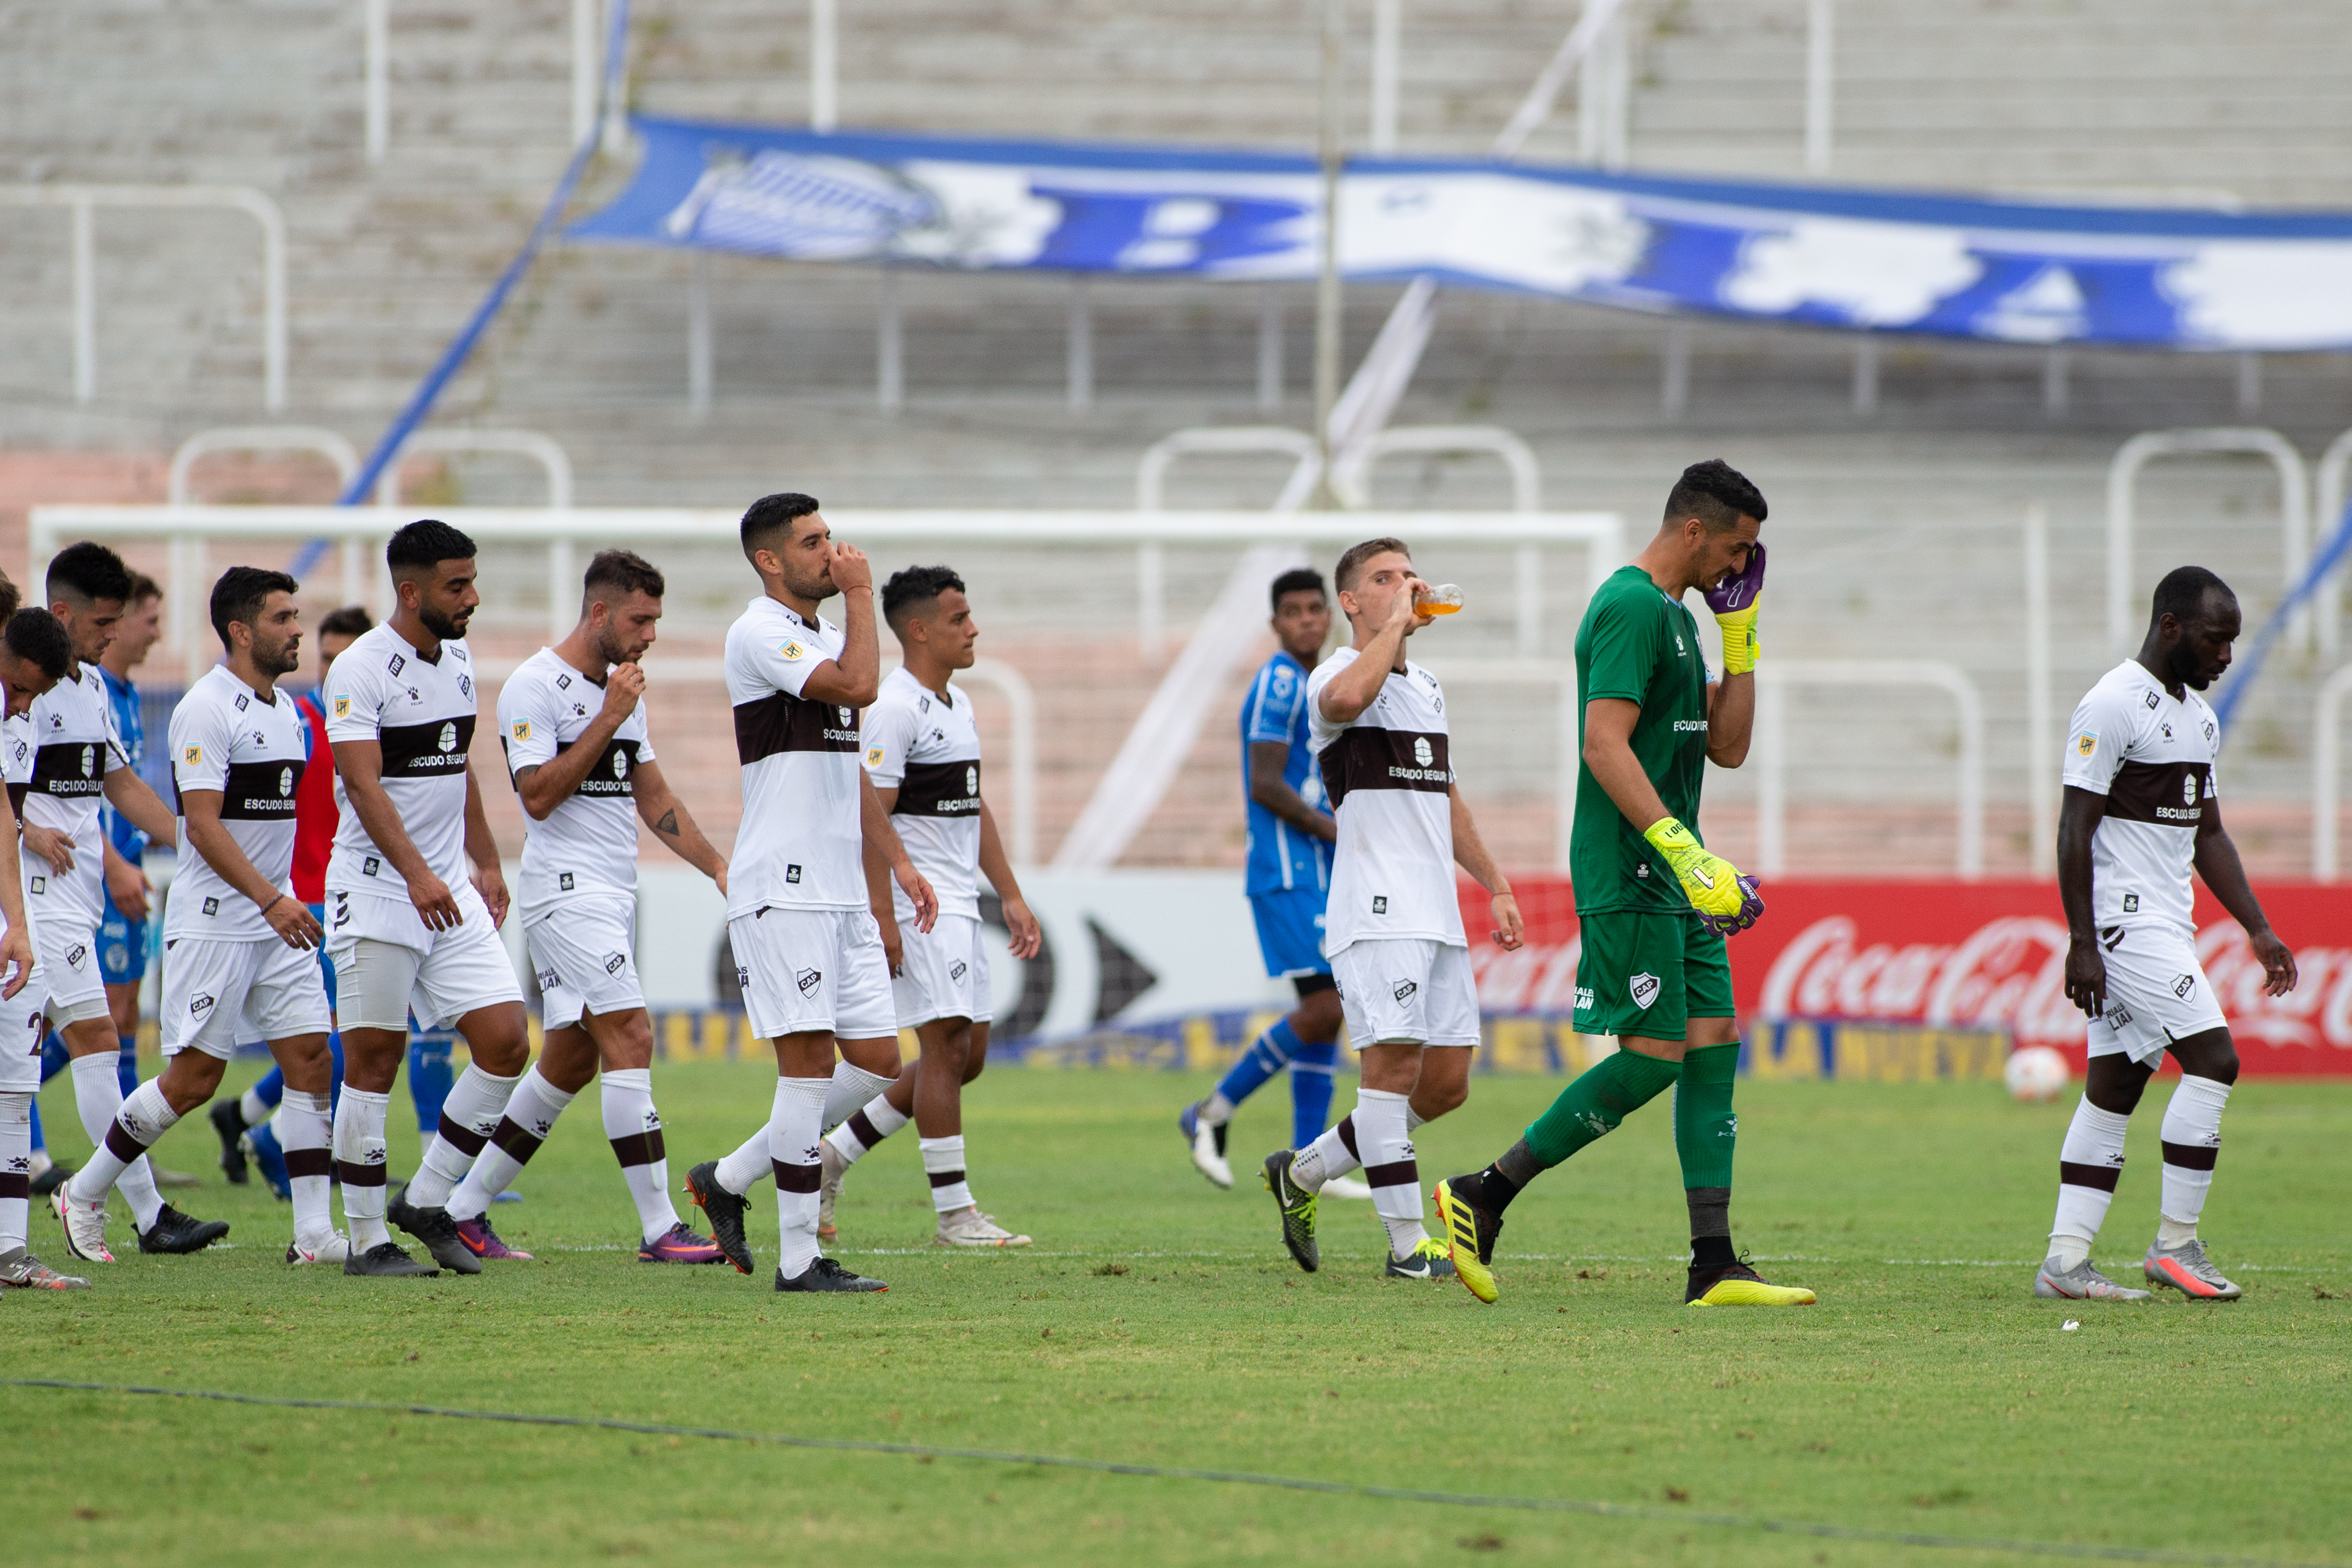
[970,1227]
[85,1226]
[2080,1284]
[336,1249]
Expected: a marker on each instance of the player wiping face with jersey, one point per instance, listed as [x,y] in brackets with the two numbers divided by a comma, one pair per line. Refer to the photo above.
[573,723]
[807,950]
[2141,812]
[238,956]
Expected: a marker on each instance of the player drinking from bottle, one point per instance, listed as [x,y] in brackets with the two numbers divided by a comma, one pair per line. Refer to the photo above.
[1393,926]
[1654,905]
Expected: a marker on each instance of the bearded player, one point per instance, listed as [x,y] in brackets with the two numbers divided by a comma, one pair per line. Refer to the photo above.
[573,722]
[1654,905]
[2139,815]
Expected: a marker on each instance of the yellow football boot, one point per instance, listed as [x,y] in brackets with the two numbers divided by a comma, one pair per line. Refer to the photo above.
[1470,1233]
[1739,1286]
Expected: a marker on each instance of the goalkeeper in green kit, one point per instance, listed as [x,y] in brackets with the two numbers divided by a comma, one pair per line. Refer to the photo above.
[1653,905]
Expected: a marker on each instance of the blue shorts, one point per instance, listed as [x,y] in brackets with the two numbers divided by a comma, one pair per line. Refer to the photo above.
[1290,931]
[121,947]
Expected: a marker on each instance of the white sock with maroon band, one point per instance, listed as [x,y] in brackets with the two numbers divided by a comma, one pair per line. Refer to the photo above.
[1389,1167]
[361,1163]
[98,1095]
[304,1132]
[851,1087]
[865,1129]
[2192,1144]
[1332,1155]
[634,1128]
[751,1161]
[15,1167]
[791,1145]
[145,1116]
[468,1117]
[943,1163]
[530,1115]
[2089,1161]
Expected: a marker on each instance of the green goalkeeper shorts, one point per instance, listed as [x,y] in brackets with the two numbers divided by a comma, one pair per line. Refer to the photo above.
[1649,974]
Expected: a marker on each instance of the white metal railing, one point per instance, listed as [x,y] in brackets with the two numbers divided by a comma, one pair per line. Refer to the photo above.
[2326,777]
[1772,683]
[328,444]
[562,570]
[1352,473]
[2329,494]
[187,618]
[1561,677]
[1151,469]
[2294,495]
[1821,82]
[82,202]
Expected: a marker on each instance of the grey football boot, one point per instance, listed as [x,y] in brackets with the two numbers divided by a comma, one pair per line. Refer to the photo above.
[2187,1270]
[2080,1284]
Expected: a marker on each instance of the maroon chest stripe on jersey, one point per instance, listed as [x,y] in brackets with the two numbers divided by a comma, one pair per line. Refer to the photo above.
[70,768]
[782,722]
[1367,759]
[2160,793]
[614,773]
[254,792]
[939,790]
[434,749]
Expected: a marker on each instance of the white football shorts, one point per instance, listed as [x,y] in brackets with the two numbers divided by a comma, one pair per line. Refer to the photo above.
[1399,989]
[806,970]
[218,994]
[20,1037]
[388,965]
[585,955]
[943,973]
[2157,993]
[74,989]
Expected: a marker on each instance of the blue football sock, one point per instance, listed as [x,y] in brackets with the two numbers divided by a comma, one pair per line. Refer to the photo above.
[430,1075]
[1311,1067]
[269,1159]
[271,1090]
[1269,1055]
[53,1055]
[335,1087]
[40,1144]
[127,1065]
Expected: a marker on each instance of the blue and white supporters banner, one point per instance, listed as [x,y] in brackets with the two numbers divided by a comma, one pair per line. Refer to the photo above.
[2012,272]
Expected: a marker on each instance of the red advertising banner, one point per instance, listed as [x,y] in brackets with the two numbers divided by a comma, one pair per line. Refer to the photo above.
[1956,955]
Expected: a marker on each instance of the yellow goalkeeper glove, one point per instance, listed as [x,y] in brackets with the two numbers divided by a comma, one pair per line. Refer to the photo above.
[1713,884]
[1734,602]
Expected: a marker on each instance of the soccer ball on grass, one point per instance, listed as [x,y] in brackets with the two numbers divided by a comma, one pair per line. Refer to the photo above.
[2034,1074]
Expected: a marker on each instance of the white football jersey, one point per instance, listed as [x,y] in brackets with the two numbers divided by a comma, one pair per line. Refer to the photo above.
[252,748]
[800,844]
[926,745]
[421,712]
[588,844]
[1388,776]
[17,769]
[74,748]
[2152,756]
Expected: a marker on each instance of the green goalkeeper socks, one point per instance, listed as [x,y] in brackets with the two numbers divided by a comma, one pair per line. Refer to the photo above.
[1606,1094]
[1705,1128]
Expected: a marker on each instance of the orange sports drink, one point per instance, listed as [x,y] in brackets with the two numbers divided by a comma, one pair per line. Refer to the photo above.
[1443,600]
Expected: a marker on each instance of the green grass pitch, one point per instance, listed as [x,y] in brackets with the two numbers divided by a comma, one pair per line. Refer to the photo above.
[1160,1320]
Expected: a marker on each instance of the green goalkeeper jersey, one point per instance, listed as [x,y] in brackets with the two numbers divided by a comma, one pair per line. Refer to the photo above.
[1641,646]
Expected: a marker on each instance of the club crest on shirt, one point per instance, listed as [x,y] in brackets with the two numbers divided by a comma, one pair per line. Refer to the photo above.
[1643,989]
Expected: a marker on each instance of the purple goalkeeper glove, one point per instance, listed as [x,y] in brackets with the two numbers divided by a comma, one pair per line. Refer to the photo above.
[1739,592]
[1751,909]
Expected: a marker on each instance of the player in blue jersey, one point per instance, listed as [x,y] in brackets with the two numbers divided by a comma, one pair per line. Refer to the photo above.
[1290,838]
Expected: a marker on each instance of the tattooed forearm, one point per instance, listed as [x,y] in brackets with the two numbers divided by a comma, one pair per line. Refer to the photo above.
[668,824]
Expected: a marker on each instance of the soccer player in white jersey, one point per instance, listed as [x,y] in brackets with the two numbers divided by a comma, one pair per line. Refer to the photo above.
[2140,814]
[807,947]
[922,752]
[240,949]
[33,654]
[404,919]
[1392,927]
[573,721]
[78,758]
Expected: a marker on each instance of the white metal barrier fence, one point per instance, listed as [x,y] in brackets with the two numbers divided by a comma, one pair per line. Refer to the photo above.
[2295,525]
[82,202]
[1774,679]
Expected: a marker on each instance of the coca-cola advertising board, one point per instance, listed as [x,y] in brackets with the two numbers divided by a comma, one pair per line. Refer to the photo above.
[1956,955]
